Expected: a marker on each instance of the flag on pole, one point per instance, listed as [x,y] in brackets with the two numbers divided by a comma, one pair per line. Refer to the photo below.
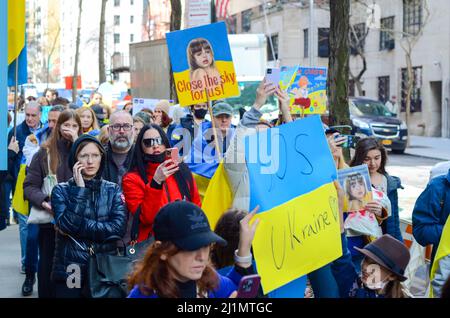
[17,50]
[222,9]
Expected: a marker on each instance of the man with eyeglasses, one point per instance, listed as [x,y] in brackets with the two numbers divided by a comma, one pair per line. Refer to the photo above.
[120,147]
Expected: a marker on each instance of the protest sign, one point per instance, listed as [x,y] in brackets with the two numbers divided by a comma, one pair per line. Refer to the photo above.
[307,90]
[355,182]
[202,64]
[142,103]
[299,230]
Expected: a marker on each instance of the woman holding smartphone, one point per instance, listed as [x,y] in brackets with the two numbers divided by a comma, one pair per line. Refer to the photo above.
[89,211]
[178,265]
[155,180]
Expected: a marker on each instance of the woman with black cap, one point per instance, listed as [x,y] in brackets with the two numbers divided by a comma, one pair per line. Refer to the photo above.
[88,212]
[178,265]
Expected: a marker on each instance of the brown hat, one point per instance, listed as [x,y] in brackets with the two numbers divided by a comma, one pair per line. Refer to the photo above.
[164,105]
[389,253]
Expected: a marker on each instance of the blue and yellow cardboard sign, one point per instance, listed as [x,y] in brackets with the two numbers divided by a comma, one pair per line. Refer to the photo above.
[202,64]
[307,88]
[299,230]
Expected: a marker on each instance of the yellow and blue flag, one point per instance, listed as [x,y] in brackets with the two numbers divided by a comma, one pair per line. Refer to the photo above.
[442,251]
[299,230]
[17,49]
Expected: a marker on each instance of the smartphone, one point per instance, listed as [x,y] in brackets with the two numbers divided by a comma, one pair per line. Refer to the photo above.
[273,76]
[249,286]
[351,142]
[172,153]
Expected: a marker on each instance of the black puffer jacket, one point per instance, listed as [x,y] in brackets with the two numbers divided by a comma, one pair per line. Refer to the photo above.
[88,216]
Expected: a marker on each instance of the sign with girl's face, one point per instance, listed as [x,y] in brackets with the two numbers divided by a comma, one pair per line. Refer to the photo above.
[202,64]
[355,182]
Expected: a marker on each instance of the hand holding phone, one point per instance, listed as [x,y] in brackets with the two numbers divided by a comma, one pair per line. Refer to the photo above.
[273,76]
[173,154]
[249,286]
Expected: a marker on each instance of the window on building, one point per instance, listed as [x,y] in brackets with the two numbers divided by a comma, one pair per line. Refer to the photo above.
[131,38]
[272,55]
[305,43]
[387,41]
[412,16]
[247,20]
[131,19]
[117,3]
[324,44]
[383,88]
[131,2]
[116,38]
[416,98]
[357,38]
[117,20]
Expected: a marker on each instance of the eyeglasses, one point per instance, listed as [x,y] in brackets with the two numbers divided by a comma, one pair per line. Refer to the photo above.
[150,142]
[117,127]
[85,157]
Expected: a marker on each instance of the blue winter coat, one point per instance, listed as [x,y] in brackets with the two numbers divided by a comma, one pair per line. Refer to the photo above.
[431,212]
[89,215]
[227,285]
[22,132]
[392,224]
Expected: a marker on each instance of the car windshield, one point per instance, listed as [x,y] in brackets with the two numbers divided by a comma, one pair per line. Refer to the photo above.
[247,98]
[369,108]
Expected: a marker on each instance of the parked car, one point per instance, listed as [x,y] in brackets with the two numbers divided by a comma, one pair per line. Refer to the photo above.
[372,118]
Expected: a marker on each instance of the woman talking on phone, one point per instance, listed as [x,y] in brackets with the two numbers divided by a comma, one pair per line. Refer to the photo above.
[156,177]
[89,211]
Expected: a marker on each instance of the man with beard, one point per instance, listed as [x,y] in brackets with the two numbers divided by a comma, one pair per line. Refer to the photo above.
[120,146]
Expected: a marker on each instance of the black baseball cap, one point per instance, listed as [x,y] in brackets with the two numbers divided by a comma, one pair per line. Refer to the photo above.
[185,225]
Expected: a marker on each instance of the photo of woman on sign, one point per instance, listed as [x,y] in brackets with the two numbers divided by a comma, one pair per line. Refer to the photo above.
[356,190]
[201,60]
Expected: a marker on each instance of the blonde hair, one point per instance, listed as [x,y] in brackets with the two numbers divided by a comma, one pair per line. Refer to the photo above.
[94,124]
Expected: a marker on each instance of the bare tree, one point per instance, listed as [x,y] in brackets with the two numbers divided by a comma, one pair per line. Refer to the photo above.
[408,38]
[101,45]
[357,39]
[175,24]
[77,53]
[338,64]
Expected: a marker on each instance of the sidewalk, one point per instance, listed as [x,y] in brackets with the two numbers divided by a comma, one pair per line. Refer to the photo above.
[10,278]
[430,147]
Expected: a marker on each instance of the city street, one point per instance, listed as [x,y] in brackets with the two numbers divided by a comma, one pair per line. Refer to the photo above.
[413,171]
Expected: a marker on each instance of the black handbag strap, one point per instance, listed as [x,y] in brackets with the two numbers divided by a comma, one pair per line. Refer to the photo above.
[135,226]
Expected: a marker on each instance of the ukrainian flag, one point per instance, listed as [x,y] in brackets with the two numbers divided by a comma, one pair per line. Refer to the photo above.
[442,251]
[17,53]
[17,50]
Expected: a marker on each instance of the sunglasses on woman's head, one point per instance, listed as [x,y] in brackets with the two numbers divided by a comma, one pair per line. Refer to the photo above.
[150,142]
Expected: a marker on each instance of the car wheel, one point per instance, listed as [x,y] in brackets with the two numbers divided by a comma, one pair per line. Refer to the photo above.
[398,151]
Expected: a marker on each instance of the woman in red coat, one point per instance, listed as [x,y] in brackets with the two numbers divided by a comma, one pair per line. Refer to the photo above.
[154,181]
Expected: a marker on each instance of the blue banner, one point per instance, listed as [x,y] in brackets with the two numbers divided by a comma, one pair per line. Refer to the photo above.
[300,157]
[3,86]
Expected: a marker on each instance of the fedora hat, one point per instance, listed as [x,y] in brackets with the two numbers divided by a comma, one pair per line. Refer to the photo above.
[390,253]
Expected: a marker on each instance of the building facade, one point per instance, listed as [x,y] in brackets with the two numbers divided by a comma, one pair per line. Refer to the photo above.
[287,23]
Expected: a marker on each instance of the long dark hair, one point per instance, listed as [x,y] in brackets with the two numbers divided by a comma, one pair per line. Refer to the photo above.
[183,176]
[362,149]
[227,227]
[51,144]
